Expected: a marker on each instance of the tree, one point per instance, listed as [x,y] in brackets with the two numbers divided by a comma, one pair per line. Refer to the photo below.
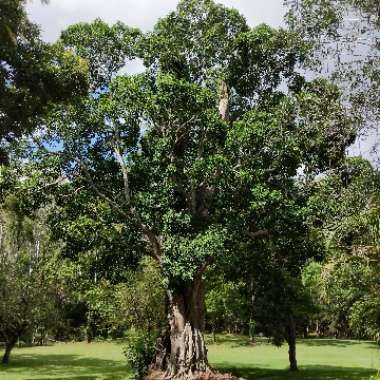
[225,304]
[343,38]
[275,297]
[27,296]
[281,308]
[348,223]
[112,45]
[197,155]
[138,303]
[33,74]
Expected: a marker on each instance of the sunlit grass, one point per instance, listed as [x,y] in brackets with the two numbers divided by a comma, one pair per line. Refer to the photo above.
[74,361]
[318,359]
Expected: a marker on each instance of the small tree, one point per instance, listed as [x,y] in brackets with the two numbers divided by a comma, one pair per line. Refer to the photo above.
[26,294]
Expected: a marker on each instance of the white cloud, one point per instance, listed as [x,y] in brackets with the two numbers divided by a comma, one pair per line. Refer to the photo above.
[59,14]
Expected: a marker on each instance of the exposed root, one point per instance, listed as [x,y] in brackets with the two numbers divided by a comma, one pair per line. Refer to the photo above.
[207,375]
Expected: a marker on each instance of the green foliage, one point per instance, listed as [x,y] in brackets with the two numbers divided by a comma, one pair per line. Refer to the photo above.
[181,179]
[196,42]
[112,45]
[226,306]
[139,351]
[143,299]
[344,284]
[184,256]
[33,75]
[28,290]
[343,40]
[138,303]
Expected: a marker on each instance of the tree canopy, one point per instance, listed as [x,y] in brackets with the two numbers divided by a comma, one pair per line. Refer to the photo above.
[33,74]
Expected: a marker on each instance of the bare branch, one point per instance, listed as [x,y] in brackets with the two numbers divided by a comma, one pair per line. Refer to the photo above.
[123,167]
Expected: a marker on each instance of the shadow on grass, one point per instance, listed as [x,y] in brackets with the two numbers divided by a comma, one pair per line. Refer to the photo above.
[317,342]
[68,367]
[312,372]
[69,378]
[235,341]
[243,341]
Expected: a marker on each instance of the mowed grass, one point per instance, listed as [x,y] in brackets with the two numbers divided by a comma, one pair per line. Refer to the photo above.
[71,361]
[318,359]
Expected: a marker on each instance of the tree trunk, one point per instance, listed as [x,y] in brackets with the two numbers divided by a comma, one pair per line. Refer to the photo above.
[292,340]
[213,334]
[306,332]
[9,345]
[251,331]
[224,101]
[184,355]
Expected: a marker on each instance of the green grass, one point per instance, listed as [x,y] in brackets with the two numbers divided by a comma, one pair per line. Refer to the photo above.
[71,361]
[318,359]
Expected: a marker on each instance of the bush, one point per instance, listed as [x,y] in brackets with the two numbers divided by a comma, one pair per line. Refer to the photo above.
[139,351]
[375,377]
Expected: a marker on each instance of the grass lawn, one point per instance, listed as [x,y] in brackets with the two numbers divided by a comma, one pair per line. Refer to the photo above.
[318,359]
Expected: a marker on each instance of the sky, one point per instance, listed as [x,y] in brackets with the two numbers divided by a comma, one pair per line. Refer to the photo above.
[58,14]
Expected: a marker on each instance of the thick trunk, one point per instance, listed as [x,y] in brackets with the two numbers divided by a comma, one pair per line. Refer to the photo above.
[292,341]
[8,349]
[184,355]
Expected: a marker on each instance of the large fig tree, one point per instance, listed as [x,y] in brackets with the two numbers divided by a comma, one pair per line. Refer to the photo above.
[196,155]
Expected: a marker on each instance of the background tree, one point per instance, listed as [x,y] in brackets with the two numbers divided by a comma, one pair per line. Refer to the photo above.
[27,296]
[343,36]
[33,75]
[347,278]
[226,307]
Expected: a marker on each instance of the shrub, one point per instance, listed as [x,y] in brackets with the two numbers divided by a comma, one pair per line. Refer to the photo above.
[139,351]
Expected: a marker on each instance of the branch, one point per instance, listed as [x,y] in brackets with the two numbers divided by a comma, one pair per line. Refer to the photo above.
[98,192]
[58,181]
[123,168]
[151,236]
[258,234]
[131,212]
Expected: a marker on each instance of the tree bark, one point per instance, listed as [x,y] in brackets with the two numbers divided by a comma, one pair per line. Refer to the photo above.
[9,345]
[184,355]
[224,101]
[292,341]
